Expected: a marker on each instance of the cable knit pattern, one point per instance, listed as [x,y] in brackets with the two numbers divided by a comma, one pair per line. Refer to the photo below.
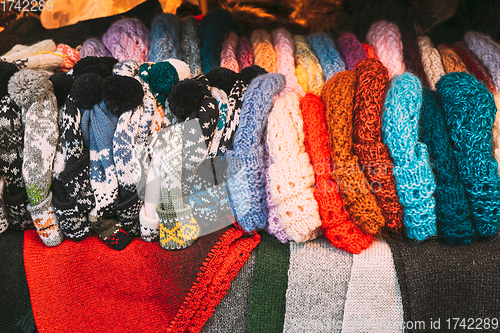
[308,69]
[454,223]
[190,45]
[291,174]
[433,67]
[487,51]
[246,161]
[336,223]
[451,60]
[386,40]
[470,111]
[324,47]
[374,156]
[264,55]
[228,54]
[351,49]
[414,178]
[244,53]
[412,58]
[285,49]
[359,200]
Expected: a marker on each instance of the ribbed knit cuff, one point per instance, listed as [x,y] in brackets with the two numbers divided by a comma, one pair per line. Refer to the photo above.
[150,227]
[178,229]
[17,212]
[46,222]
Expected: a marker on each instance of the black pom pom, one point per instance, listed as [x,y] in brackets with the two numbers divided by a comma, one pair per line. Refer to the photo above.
[86,90]
[110,62]
[6,71]
[185,99]
[222,78]
[62,85]
[91,65]
[250,73]
[121,93]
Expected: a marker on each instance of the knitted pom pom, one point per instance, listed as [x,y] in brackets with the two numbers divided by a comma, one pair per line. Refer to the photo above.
[62,85]
[121,93]
[163,76]
[127,38]
[109,62]
[351,49]
[250,73]
[6,71]
[185,98]
[87,90]
[386,40]
[91,65]
[29,86]
[222,78]
[93,47]
[165,38]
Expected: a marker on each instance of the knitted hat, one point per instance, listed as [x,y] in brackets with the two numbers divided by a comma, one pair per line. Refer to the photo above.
[93,47]
[386,40]
[451,60]
[374,157]
[246,160]
[308,69]
[33,92]
[285,49]
[412,58]
[355,190]
[165,38]
[324,47]
[244,53]
[454,222]
[488,51]
[291,174]
[228,54]
[127,38]
[213,28]
[414,178]
[190,44]
[72,56]
[337,226]
[433,67]
[351,49]
[264,54]
[470,111]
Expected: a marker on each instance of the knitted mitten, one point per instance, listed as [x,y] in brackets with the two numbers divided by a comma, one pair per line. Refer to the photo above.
[228,54]
[165,38]
[284,47]
[33,92]
[246,161]
[414,178]
[451,60]
[454,223]
[336,223]
[488,51]
[470,111]
[291,174]
[386,41]
[308,69]
[431,60]
[374,157]
[264,54]
[244,53]
[324,46]
[412,58]
[190,45]
[351,49]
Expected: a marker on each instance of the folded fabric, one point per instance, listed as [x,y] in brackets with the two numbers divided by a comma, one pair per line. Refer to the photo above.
[165,38]
[431,60]
[488,51]
[263,51]
[308,69]
[351,49]
[451,60]
[285,48]
[324,47]
[412,58]
[190,45]
[228,54]
[386,40]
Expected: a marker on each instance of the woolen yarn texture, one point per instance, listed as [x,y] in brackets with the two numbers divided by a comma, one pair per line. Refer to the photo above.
[433,67]
[244,53]
[327,53]
[228,55]
[190,45]
[451,60]
[351,49]
[412,58]
[165,38]
[386,41]
[93,47]
[285,50]
[263,50]
[128,39]
[308,69]
[488,51]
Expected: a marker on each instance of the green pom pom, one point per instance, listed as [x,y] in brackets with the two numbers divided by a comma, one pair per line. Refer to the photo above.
[163,76]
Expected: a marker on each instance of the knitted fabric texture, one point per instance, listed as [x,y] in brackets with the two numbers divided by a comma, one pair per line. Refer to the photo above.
[42,55]
[351,49]
[328,55]
[355,190]
[246,161]
[72,57]
[451,60]
[412,57]
[264,54]
[23,51]
[213,28]
[244,53]
[165,38]
[369,50]
[308,69]
[128,39]
[312,279]
[33,92]
[336,223]
[190,45]
[433,67]
[270,281]
[488,51]
[4,223]
[470,112]
[285,49]
[374,157]
[291,174]
[454,222]
[228,54]
[386,40]
[93,47]
[414,178]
